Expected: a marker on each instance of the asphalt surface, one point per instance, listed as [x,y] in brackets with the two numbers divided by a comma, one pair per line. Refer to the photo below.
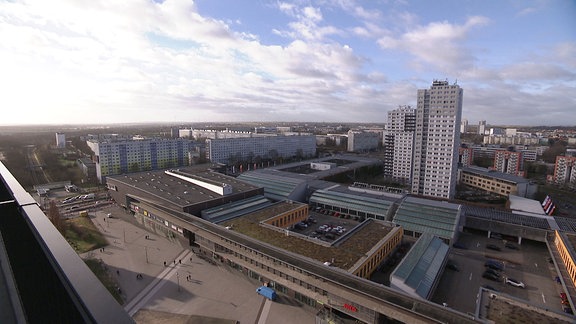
[528,264]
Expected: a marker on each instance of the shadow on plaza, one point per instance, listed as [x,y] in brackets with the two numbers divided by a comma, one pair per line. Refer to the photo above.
[178,286]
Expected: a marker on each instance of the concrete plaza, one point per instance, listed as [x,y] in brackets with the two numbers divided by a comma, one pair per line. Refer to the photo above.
[161,279]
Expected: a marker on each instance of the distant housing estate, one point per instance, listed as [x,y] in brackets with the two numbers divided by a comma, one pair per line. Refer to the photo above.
[226,150]
[117,155]
[363,140]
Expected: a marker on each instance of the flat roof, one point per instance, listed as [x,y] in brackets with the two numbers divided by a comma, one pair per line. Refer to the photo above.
[428,216]
[344,163]
[420,267]
[343,256]
[342,197]
[527,205]
[495,174]
[177,191]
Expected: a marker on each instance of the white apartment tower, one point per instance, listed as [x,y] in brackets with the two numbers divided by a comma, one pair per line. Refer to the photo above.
[399,141]
[60,140]
[463,126]
[482,127]
[437,140]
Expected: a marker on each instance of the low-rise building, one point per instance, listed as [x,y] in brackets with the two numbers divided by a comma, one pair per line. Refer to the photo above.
[503,184]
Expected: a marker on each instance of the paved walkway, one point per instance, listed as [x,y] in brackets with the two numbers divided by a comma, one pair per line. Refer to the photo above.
[186,284]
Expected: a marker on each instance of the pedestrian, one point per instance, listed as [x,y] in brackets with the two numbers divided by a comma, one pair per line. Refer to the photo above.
[118,272]
[164,263]
[174,261]
[180,261]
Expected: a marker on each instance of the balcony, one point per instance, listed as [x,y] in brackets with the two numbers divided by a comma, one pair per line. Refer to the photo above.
[43,279]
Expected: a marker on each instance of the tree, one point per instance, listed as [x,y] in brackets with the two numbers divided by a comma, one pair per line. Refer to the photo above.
[557,148]
[134,167]
[55,217]
[250,157]
[484,162]
[273,155]
[299,154]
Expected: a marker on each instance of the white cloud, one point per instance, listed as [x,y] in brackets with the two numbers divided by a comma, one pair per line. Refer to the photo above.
[136,60]
[439,44]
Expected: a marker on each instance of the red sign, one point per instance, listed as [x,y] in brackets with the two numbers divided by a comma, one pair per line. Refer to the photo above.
[350,307]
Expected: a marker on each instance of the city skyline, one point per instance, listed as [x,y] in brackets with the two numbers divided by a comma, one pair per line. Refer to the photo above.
[331,61]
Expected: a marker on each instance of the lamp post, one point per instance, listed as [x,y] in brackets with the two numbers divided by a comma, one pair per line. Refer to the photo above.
[146,252]
[178,281]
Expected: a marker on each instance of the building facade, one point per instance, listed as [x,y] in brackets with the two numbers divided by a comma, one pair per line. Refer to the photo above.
[509,162]
[398,143]
[565,244]
[565,171]
[436,140]
[464,126]
[362,141]
[268,147]
[482,127]
[60,140]
[120,156]
[466,156]
[503,184]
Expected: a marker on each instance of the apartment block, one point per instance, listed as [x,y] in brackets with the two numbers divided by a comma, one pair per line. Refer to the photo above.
[465,156]
[399,143]
[363,141]
[436,140]
[115,156]
[222,150]
[565,171]
[509,162]
[60,140]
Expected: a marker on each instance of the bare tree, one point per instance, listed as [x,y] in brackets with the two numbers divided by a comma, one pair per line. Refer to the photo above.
[55,217]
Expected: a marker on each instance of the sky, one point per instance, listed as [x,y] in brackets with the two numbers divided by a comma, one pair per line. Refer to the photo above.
[342,61]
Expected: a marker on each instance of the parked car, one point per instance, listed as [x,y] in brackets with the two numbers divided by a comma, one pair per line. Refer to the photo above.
[452,266]
[330,236]
[496,236]
[493,264]
[490,276]
[460,246]
[494,272]
[511,246]
[493,247]
[515,283]
[568,310]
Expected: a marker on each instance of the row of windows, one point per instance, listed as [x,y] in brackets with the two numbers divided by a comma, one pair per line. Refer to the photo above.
[568,261]
[290,218]
[367,268]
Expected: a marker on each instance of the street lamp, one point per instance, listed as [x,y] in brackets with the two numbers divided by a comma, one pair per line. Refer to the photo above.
[178,280]
[146,251]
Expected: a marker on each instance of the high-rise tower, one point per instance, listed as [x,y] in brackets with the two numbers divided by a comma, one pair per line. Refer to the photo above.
[436,140]
[399,142]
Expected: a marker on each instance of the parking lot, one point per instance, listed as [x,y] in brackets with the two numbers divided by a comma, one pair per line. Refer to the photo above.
[527,264]
[326,226]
